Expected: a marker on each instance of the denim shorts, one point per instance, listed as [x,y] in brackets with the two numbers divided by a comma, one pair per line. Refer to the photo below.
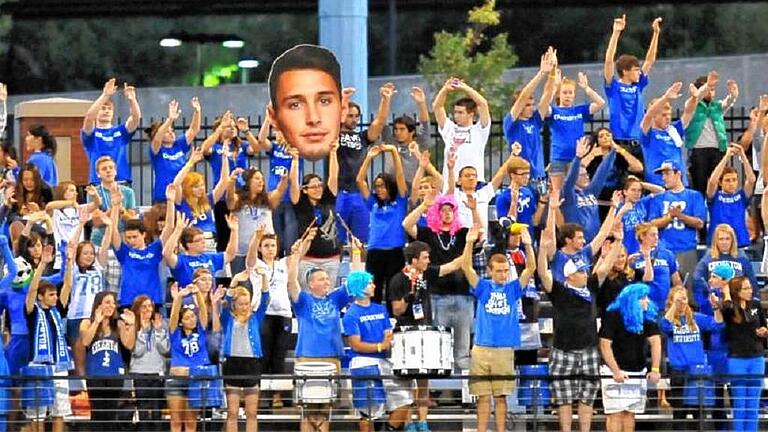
[177,387]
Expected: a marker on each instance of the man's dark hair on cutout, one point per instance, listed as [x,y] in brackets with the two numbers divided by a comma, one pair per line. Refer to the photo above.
[300,57]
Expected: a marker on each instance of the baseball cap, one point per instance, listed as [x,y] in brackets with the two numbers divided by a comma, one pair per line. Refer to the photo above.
[571,267]
[668,164]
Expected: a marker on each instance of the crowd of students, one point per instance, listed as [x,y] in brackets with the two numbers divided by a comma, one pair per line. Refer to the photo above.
[608,229]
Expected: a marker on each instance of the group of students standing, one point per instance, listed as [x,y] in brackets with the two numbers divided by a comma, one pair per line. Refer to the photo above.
[580,230]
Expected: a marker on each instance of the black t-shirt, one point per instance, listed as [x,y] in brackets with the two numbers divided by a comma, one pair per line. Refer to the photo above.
[32,322]
[741,337]
[326,242]
[575,315]
[444,249]
[628,348]
[609,290]
[400,287]
[353,146]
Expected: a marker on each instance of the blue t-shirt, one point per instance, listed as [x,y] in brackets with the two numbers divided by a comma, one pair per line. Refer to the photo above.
[46,165]
[142,270]
[638,214]
[187,264]
[677,236]
[527,200]
[528,134]
[625,103]
[279,166]
[241,161]
[566,126]
[659,146]
[729,209]
[685,346]
[166,163]
[102,356]
[580,258]
[664,265]
[496,318]
[205,221]
[189,350]
[369,322]
[385,230]
[113,142]
[320,324]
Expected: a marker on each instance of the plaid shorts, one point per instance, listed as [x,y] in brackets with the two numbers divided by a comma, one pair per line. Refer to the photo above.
[569,363]
[480,264]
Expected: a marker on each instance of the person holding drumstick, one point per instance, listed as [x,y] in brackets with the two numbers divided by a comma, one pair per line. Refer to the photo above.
[318,313]
[410,301]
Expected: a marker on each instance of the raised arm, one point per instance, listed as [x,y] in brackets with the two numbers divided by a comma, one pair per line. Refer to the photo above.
[252,255]
[546,243]
[210,140]
[133,120]
[483,110]
[634,165]
[603,171]
[11,269]
[695,95]
[607,225]
[45,259]
[170,214]
[89,121]
[597,101]
[176,294]
[672,93]
[194,157]
[714,178]
[421,103]
[377,125]
[233,222]
[650,55]
[225,179]
[333,169]
[297,253]
[169,247]
[410,222]
[730,98]
[262,139]
[530,261]
[756,117]
[438,105]
[194,124]
[606,263]
[173,113]
[293,175]
[466,263]
[749,173]
[610,52]
[545,67]
[549,239]
[362,174]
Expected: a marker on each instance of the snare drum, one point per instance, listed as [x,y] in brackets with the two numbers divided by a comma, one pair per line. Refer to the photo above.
[422,351]
[207,392]
[315,383]
[37,390]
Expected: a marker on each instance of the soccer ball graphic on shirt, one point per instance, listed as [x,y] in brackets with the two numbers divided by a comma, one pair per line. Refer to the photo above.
[23,273]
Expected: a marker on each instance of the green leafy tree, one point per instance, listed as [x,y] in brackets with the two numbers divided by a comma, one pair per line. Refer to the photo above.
[475,57]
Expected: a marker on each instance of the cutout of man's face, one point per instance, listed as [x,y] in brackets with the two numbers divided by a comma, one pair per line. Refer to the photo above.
[309,111]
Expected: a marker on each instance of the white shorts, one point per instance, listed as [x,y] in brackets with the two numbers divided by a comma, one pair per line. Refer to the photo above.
[630,395]
[61,406]
[399,391]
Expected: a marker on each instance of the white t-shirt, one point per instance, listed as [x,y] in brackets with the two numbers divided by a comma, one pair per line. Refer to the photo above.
[279,302]
[85,286]
[65,222]
[483,196]
[470,146]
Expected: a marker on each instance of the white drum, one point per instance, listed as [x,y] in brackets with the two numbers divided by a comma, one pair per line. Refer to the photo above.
[315,383]
[422,351]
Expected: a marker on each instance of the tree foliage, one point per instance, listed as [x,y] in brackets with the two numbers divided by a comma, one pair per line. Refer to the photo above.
[475,57]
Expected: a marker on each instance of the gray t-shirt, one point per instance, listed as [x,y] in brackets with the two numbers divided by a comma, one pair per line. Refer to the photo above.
[241,343]
[410,163]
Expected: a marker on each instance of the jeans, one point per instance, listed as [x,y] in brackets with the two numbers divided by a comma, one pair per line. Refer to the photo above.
[455,311]
[351,207]
[286,226]
[703,161]
[745,392]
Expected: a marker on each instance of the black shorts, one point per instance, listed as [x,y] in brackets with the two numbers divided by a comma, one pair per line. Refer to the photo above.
[245,372]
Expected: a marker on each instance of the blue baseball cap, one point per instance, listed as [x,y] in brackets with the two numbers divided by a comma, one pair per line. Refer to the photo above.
[668,164]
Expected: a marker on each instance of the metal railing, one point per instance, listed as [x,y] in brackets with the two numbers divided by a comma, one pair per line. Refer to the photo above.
[528,408]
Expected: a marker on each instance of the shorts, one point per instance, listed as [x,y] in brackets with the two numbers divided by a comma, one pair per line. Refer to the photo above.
[177,387]
[486,361]
[399,392]
[61,406]
[628,396]
[575,362]
[73,330]
[245,372]
[17,353]
[557,167]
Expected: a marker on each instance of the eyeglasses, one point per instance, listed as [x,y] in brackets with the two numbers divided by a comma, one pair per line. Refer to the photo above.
[312,271]
[313,186]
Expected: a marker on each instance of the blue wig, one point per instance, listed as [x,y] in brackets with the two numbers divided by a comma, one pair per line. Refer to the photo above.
[628,305]
[357,282]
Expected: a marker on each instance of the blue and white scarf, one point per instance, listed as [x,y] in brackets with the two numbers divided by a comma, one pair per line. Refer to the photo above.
[44,347]
[583,293]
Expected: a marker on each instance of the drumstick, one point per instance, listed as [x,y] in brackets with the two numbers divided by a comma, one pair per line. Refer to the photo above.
[346,227]
[309,228]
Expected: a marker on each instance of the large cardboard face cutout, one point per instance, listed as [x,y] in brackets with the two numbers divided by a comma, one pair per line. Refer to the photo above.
[307,106]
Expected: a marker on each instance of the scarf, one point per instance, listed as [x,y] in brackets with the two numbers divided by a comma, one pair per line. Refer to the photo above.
[44,347]
[584,293]
[676,138]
